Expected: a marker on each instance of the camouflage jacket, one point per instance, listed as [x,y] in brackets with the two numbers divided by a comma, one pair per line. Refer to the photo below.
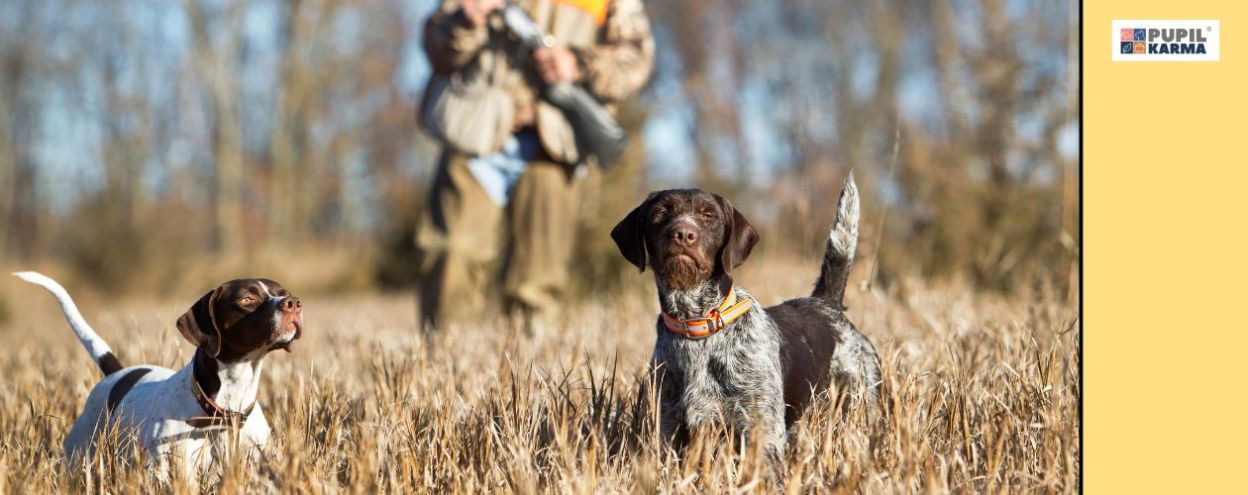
[611,40]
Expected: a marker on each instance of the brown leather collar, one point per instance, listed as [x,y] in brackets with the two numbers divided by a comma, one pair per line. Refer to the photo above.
[214,414]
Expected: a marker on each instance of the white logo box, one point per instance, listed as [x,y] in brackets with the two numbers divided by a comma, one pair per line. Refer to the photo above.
[1210,29]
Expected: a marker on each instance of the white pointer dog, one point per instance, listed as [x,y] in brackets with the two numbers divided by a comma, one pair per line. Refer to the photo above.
[176,415]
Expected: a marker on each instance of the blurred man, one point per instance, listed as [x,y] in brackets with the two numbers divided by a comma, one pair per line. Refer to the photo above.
[527,175]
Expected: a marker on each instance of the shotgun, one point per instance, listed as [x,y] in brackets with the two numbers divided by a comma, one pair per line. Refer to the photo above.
[597,132]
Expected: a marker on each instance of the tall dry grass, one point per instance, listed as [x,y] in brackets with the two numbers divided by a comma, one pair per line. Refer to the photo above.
[981,394]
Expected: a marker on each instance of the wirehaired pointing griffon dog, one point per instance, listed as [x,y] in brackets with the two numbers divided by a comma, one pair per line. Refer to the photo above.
[177,414]
[719,355]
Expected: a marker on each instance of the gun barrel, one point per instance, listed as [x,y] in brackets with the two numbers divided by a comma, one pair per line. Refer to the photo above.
[520,24]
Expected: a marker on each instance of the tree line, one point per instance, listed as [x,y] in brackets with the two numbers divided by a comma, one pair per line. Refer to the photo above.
[142,130]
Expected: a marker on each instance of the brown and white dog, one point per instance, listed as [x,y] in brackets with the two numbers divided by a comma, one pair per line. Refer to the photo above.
[176,415]
[721,356]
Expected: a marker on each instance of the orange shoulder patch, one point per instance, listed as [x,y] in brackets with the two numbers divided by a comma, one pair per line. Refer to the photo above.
[597,9]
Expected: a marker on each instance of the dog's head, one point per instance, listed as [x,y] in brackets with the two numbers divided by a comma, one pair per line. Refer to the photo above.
[243,318]
[688,236]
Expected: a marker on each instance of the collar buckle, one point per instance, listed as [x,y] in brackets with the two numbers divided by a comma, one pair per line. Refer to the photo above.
[700,328]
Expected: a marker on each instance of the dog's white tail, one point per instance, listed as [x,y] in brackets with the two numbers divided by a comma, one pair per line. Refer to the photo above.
[838,257]
[99,350]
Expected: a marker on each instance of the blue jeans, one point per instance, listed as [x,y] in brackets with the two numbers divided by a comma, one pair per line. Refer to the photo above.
[498,172]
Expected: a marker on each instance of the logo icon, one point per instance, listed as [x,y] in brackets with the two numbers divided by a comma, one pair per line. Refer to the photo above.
[1166,40]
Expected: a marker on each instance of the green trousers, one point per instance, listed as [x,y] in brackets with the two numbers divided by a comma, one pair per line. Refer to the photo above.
[469,246]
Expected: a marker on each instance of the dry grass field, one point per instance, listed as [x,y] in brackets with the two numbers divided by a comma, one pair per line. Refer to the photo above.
[981,394]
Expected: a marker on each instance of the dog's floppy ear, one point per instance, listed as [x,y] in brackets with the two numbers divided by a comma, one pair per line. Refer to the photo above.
[199,324]
[630,235]
[739,237]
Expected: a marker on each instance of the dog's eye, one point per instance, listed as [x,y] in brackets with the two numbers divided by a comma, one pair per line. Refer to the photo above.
[245,300]
[706,215]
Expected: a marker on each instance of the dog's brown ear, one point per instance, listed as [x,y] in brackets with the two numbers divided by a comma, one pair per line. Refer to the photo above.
[199,324]
[739,237]
[630,235]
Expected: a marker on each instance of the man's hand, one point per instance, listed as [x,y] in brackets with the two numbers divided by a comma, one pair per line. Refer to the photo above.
[556,64]
[478,11]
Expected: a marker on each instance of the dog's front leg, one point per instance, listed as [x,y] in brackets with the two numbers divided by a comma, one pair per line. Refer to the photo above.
[774,435]
[671,420]
[667,381]
[762,420]
[768,429]
[671,408]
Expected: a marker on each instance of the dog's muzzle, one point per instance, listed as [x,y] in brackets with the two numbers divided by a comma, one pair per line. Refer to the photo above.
[289,324]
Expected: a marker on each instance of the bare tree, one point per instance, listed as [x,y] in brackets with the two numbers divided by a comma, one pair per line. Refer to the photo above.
[19,197]
[215,64]
[298,26]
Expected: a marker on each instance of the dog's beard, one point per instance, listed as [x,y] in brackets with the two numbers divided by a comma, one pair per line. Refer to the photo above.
[683,273]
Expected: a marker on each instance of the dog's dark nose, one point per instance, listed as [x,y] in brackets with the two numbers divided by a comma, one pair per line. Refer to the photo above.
[291,304]
[684,234]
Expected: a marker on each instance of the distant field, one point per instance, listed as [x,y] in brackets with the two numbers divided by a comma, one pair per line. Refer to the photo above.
[981,394]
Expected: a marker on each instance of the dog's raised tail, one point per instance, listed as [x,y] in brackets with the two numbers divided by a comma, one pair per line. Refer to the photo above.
[842,242]
[99,350]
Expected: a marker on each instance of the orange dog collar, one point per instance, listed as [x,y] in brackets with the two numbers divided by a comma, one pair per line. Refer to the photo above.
[714,321]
